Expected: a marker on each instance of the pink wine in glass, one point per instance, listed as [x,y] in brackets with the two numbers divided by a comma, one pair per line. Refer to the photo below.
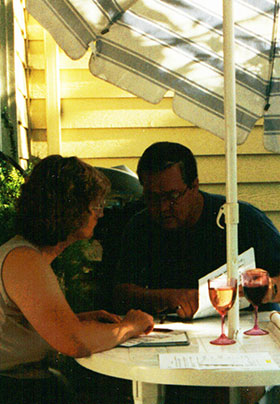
[222,293]
[255,284]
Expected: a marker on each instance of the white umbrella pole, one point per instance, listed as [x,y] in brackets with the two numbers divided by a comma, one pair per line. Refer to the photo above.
[231,206]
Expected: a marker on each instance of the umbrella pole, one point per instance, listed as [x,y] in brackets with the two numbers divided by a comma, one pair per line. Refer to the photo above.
[231,206]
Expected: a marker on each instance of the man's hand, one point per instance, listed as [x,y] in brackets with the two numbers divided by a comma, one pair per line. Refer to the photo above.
[183,301]
[272,291]
[272,294]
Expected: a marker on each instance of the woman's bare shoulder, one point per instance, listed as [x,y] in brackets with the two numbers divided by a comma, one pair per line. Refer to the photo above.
[21,256]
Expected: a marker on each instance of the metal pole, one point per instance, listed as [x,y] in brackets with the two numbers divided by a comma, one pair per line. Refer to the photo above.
[231,207]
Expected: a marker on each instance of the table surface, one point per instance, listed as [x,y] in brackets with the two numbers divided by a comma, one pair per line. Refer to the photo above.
[142,364]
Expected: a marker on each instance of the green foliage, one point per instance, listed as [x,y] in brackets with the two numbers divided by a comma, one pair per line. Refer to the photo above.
[10,183]
[79,269]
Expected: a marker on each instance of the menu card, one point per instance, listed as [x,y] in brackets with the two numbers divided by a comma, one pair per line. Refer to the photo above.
[246,260]
[158,337]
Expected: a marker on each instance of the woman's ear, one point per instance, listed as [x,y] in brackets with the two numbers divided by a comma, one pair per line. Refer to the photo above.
[195,184]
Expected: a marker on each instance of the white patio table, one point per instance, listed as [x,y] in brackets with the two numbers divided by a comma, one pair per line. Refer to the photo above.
[141,365]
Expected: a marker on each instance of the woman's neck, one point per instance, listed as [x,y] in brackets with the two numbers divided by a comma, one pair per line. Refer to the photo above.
[51,252]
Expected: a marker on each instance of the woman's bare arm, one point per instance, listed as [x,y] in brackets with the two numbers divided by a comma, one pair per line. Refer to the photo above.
[30,282]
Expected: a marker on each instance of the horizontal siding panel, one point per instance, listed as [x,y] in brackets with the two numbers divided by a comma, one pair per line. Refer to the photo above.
[275,218]
[36,56]
[271,188]
[136,140]
[264,196]
[212,169]
[38,149]
[120,143]
[65,62]
[252,169]
[37,114]
[35,31]
[132,112]
[111,113]
[37,61]
[80,84]
[37,84]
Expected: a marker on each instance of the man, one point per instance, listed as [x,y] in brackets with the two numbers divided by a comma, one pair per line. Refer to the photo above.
[175,241]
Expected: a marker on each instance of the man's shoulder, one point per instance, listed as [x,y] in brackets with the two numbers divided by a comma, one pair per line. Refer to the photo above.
[248,213]
[218,200]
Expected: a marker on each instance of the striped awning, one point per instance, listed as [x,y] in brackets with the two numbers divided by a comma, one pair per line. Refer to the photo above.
[161,45]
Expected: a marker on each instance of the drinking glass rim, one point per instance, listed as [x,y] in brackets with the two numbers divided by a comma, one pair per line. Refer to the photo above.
[223,280]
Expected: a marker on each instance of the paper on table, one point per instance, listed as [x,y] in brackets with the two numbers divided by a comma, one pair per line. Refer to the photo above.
[213,361]
[246,260]
[172,337]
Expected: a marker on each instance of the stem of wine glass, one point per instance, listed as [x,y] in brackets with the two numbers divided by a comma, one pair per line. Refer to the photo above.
[223,323]
[256,326]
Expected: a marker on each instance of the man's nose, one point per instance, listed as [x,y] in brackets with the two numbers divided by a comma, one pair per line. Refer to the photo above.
[164,205]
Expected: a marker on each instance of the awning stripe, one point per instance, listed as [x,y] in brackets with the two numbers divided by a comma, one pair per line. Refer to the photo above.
[169,80]
[163,37]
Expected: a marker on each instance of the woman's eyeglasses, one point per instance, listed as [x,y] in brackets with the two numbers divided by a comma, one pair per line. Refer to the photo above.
[98,209]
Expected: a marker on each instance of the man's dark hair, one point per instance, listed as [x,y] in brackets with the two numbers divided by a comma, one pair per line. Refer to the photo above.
[55,199]
[162,155]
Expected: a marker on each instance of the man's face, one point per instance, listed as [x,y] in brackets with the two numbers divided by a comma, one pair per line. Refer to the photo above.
[171,203]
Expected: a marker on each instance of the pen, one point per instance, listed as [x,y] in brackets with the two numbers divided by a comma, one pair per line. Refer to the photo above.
[164,313]
[162,329]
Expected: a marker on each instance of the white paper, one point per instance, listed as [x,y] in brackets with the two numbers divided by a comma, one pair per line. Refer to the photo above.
[246,260]
[156,338]
[214,361]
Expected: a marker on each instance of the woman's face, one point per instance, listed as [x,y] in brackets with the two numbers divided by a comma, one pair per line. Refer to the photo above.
[95,212]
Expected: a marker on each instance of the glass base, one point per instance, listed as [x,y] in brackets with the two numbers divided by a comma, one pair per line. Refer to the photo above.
[223,340]
[256,331]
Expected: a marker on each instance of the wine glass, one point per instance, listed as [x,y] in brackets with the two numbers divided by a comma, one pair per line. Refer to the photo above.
[255,284]
[222,293]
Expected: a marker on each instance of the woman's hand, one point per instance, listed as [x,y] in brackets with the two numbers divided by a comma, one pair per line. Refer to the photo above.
[102,316]
[143,323]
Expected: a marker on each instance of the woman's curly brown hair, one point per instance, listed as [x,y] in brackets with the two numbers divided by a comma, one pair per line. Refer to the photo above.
[55,199]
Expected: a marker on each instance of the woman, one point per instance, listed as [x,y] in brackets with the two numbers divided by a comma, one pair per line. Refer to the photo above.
[59,204]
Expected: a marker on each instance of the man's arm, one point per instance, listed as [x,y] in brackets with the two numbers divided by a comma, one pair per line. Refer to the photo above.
[256,227]
[182,301]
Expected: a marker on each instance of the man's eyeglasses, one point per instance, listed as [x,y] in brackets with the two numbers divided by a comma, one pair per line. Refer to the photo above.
[173,197]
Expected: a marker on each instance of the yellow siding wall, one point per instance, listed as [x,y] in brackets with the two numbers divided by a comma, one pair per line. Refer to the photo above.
[106,126]
[21,90]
